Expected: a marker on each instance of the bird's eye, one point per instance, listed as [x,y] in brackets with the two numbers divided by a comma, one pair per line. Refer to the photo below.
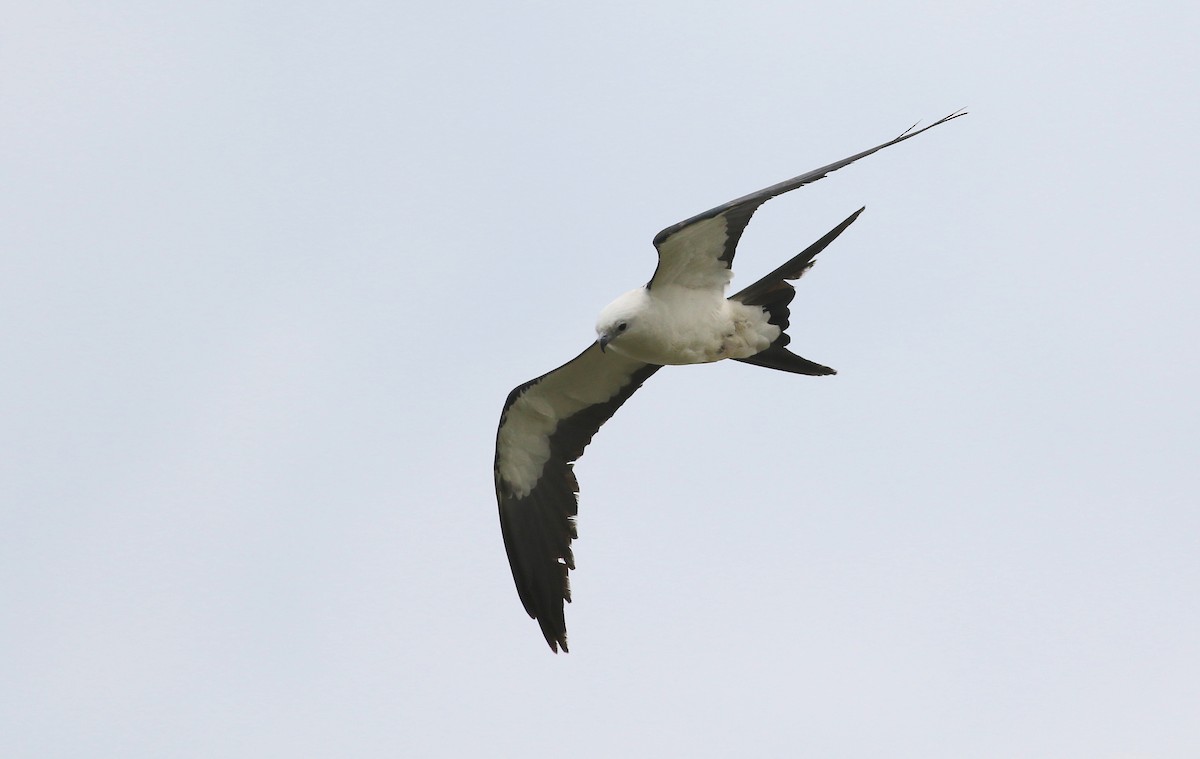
[621,327]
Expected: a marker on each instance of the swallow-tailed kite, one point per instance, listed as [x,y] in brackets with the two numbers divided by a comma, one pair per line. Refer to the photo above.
[681,316]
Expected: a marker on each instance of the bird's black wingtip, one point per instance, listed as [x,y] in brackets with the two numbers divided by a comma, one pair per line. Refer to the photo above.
[554,626]
[960,112]
[556,641]
[912,131]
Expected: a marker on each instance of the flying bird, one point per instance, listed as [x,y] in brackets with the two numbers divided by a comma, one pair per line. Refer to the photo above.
[681,316]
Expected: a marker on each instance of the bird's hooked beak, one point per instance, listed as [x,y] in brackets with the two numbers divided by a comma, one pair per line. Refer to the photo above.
[604,340]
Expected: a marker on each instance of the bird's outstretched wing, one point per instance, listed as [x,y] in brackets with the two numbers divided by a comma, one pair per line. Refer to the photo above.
[699,251]
[545,425]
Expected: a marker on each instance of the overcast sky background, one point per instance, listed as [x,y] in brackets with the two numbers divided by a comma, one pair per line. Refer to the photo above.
[270,269]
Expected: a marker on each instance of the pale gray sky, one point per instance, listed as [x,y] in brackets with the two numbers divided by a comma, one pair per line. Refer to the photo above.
[270,269]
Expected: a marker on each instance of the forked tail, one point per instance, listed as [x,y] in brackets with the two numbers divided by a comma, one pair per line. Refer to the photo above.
[774,293]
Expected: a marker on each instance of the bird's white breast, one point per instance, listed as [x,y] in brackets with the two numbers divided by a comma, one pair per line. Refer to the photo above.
[683,325]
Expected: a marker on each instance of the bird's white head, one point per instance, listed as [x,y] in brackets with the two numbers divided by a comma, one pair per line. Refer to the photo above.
[621,317]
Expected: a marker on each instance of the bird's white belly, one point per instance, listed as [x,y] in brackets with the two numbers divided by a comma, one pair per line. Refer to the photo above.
[697,330]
